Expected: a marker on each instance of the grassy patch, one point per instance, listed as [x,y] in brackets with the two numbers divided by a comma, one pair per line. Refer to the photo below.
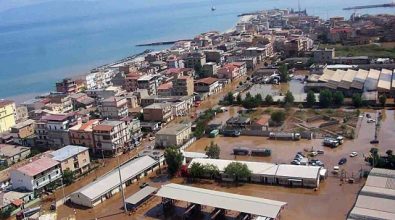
[371,50]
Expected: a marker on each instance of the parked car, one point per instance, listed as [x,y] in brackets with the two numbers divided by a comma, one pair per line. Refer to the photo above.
[368,115]
[342,161]
[295,162]
[336,169]
[331,142]
[144,185]
[371,120]
[320,151]
[353,154]
[313,154]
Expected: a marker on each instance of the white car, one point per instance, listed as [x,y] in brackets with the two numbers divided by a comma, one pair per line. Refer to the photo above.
[371,120]
[353,154]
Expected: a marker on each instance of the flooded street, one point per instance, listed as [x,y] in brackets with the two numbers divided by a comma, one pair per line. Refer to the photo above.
[295,86]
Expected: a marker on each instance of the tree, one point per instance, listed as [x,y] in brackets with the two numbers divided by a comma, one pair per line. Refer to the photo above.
[68,177]
[249,102]
[213,150]
[239,100]
[173,158]
[277,116]
[237,170]
[310,99]
[248,95]
[258,99]
[326,98]
[198,68]
[289,98]
[211,170]
[383,99]
[269,99]
[357,100]
[229,98]
[196,170]
[283,69]
[389,152]
[338,98]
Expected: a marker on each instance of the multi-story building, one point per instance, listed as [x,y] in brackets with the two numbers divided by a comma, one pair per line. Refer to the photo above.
[67,86]
[195,59]
[7,115]
[53,130]
[131,82]
[210,69]
[229,71]
[73,158]
[22,114]
[324,55]
[161,112]
[175,135]
[114,108]
[21,132]
[10,154]
[215,56]
[174,61]
[183,86]
[207,85]
[62,102]
[148,82]
[82,134]
[111,137]
[165,89]
[36,175]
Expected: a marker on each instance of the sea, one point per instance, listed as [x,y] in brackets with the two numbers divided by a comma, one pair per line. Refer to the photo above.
[42,41]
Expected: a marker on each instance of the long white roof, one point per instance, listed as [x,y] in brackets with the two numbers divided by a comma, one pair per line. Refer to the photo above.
[269,169]
[385,80]
[372,80]
[223,200]
[327,75]
[111,180]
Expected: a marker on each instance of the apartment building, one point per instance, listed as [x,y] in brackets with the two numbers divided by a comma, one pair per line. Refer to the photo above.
[114,108]
[23,131]
[148,82]
[67,86]
[195,59]
[161,112]
[10,154]
[7,115]
[73,158]
[111,137]
[36,175]
[175,135]
[183,86]
[82,134]
[207,85]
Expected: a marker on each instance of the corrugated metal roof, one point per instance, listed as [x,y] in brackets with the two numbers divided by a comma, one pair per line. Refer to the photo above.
[385,80]
[228,201]
[110,180]
[140,195]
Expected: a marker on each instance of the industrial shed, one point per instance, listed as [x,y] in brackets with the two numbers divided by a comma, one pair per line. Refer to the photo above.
[108,185]
[327,75]
[347,79]
[372,80]
[359,79]
[384,84]
[228,201]
[376,200]
[335,80]
[268,173]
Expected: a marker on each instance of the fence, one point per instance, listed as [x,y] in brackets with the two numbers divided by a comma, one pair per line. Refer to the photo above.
[188,143]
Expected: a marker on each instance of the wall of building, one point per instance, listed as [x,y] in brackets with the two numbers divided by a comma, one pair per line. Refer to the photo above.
[7,117]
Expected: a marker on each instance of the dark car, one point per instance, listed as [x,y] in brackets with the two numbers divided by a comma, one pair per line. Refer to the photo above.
[342,161]
[143,185]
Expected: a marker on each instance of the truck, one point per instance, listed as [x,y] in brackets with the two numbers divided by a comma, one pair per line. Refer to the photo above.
[213,133]
[284,136]
[261,152]
[331,142]
[241,151]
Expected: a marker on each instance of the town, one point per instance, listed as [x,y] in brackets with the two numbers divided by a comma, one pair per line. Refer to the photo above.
[285,116]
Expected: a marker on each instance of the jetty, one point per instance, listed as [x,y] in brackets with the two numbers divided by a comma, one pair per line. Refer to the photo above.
[161,43]
[388,5]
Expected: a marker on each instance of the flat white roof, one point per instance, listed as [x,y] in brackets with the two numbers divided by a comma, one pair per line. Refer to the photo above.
[111,180]
[365,213]
[375,203]
[382,172]
[385,80]
[361,75]
[349,76]
[188,154]
[140,195]
[223,200]
[67,152]
[338,76]
[261,168]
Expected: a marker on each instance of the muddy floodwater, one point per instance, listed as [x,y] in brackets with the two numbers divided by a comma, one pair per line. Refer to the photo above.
[333,200]
[295,86]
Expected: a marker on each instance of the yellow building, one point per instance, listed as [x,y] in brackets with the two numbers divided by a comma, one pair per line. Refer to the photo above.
[7,115]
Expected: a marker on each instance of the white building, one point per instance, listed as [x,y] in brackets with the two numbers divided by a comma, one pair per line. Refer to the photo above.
[108,185]
[36,175]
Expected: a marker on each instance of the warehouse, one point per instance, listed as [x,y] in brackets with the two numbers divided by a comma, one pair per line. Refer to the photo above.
[384,84]
[108,185]
[335,80]
[372,80]
[227,201]
[359,79]
[268,173]
[377,198]
[347,79]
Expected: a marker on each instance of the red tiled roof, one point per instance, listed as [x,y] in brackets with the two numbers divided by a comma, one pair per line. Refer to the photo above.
[262,121]
[166,86]
[237,64]
[38,166]
[103,128]
[88,124]
[174,70]
[208,80]
[17,202]
[54,117]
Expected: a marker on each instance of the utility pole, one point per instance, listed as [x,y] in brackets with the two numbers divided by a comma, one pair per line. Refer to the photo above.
[121,186]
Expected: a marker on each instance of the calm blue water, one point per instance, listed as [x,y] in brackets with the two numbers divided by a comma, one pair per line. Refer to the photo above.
[41,43]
